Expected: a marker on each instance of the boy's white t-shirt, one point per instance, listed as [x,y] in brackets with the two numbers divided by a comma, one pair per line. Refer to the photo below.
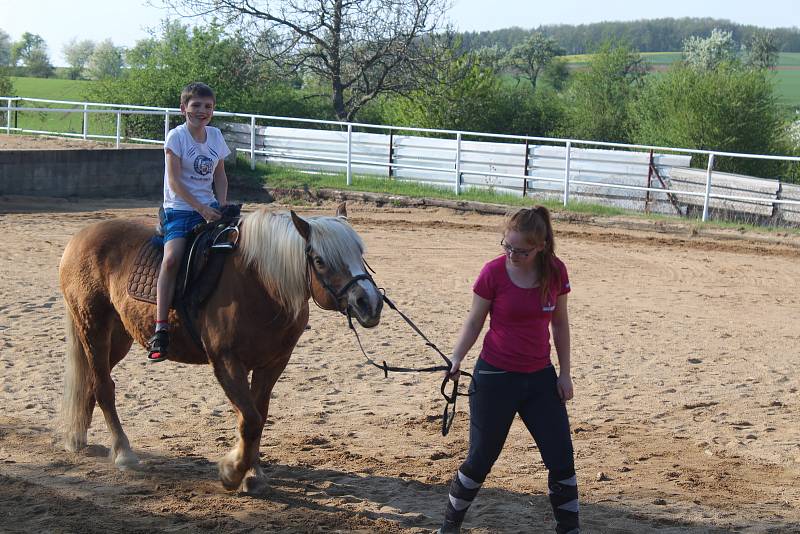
[198,162]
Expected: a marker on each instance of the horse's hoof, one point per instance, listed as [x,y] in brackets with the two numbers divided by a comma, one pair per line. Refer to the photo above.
[74,442]
[255,485]
[126,459]
[230,477]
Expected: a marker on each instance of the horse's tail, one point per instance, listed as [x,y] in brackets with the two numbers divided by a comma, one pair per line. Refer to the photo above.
[78,403]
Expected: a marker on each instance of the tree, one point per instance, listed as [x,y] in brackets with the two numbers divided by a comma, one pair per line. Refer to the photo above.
[105,61]
[761,51]
[31,51]
[532,56]
[5,49]
[727,109]
[706,54]
[77,54]
[159,67]
[359,49]
[598,98]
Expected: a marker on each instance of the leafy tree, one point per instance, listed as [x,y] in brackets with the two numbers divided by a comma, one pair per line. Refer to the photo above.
[557,74]
[6,86]
[460,98]
[598,98]
[77,54]
[105,61]
[5,49]
[529,58]
[705,54]
[726,109]
[159,67]
[359,49]
[31,51]
[762,52]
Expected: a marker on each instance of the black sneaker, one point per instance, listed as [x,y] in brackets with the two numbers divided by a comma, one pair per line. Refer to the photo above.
[158,347]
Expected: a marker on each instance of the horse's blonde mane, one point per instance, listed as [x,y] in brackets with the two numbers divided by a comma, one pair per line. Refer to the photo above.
[272,246]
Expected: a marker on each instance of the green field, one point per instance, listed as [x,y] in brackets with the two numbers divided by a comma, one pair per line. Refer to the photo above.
[53,89]
[787,75]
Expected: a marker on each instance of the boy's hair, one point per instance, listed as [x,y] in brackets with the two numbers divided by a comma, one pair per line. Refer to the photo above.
[197,90]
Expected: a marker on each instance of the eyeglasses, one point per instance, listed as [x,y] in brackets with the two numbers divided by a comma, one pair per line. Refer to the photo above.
[521,252]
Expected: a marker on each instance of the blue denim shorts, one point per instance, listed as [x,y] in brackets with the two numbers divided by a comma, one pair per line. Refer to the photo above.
[179,223]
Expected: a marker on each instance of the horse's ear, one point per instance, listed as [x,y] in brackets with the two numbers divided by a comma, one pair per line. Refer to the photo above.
[341,210]
[302,225]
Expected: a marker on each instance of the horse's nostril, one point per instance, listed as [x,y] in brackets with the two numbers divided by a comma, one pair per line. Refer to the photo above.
[361,303]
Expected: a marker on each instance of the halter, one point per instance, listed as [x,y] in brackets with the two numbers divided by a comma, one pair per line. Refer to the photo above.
[337,295]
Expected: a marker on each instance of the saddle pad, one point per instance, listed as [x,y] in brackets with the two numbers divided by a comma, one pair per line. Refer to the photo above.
[144,275]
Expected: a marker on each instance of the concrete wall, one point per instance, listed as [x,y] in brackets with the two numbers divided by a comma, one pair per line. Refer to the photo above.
[82,173]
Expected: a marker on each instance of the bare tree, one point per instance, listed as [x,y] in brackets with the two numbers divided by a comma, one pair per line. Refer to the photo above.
[359,49]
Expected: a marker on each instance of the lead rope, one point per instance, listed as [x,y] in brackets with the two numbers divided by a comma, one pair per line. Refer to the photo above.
[450,400]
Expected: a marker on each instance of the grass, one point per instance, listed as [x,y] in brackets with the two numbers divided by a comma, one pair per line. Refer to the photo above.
[55,89]
[787,82]
[279,177]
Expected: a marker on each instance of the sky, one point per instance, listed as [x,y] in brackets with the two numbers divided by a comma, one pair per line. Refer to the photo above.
[126,21]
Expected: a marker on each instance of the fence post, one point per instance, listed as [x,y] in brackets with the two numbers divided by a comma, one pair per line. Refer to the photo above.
[253,143]
[349,154]
[85,121]
[525,169]
[8,116]
[166,124]
[708,186]
[458,163]
[391,154]
[119,124]
[566,173]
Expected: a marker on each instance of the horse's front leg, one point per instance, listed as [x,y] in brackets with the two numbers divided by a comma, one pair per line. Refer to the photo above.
[261,385]
[232,376]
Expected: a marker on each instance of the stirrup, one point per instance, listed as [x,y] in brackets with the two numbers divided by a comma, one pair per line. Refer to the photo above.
[157,346]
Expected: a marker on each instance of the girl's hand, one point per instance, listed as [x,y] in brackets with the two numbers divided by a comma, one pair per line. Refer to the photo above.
[564,386]
[455,370]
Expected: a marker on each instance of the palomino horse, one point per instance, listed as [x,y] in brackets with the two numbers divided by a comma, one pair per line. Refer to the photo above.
[251,322]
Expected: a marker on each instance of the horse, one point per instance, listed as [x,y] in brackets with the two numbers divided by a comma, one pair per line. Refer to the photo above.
[250,323]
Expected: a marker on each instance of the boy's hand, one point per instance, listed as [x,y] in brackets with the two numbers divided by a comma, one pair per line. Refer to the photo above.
[209,214]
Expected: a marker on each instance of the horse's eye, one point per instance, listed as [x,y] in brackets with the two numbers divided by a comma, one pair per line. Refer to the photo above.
[319,262]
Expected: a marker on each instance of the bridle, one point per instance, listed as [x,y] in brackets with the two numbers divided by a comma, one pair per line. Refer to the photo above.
[337,295]
[450,406]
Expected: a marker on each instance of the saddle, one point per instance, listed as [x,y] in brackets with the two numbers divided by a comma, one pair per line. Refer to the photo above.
[200,270]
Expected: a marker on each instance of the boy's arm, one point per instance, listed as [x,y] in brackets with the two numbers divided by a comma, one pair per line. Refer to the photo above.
[173,172]
[221,183]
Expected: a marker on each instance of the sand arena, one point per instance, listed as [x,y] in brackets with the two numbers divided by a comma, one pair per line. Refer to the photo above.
[685,418]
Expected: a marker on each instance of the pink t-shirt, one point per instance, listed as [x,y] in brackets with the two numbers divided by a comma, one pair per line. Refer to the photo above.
[518,339]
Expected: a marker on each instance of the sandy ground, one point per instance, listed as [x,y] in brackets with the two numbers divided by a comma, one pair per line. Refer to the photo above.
[685,417]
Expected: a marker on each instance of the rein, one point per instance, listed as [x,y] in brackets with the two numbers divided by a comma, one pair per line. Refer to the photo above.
[450,400]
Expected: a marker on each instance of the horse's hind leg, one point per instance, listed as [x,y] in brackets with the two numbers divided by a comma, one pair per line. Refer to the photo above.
[105,341]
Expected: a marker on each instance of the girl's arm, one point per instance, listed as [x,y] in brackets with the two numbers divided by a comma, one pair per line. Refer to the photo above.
[560,328]
[470,331]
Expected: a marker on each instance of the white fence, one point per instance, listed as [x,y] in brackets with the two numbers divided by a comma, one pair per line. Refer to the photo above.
[631,176]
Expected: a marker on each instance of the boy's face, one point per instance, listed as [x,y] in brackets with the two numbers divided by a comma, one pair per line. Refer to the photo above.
[198,111]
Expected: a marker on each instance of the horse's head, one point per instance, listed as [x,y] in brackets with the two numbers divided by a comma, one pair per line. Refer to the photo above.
[338,275]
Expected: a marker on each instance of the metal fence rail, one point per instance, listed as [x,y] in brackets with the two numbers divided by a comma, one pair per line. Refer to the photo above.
[638,177]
